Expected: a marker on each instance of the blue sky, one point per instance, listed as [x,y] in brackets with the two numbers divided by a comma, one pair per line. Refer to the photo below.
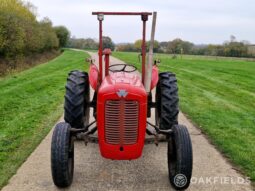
[199,21]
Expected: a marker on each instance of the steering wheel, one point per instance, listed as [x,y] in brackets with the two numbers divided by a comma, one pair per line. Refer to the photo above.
[122,68]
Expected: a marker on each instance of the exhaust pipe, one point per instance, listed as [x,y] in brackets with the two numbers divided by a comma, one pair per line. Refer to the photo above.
[148,69]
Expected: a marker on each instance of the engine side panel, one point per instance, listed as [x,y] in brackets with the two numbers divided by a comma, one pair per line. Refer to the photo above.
[121,115]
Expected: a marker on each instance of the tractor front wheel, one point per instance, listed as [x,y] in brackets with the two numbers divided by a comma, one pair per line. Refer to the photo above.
[180,158]
[62,155]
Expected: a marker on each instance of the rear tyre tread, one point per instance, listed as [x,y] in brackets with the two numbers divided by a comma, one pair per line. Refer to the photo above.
[77,99]
[167,100]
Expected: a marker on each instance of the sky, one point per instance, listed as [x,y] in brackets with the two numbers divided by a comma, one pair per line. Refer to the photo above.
[198,21]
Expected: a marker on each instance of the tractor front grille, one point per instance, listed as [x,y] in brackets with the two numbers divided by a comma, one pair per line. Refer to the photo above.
[121,122]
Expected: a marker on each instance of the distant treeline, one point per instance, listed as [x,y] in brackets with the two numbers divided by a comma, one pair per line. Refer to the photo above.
[231,48]
[89,43]
[22,35]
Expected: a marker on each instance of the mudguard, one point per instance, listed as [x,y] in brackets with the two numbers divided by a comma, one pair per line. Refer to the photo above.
[154,76]
[93,76]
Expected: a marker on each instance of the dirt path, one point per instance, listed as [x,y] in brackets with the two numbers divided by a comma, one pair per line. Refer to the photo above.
[149,173]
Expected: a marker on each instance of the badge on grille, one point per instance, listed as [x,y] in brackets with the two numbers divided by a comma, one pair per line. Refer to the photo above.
[122,93]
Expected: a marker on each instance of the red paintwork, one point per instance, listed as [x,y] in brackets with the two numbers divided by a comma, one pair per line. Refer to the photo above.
[154,76]
[108,91]
[100,51]
[122,13]
[93,76]
[107,52]
[144,17]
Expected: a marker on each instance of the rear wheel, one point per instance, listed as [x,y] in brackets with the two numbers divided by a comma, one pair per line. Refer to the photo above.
[167,101]
[180,158]
[62,155]
[77,99]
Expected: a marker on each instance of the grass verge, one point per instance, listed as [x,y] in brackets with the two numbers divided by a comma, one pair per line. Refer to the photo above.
[219,96]
[12,66]
[30,103]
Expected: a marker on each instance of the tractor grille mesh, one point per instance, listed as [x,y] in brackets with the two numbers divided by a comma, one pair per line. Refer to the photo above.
[121,122]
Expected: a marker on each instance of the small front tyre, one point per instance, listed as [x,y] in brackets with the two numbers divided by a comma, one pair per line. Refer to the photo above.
[180,158]
[62,155]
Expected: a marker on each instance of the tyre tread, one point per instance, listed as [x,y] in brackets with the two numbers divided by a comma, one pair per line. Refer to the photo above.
[183,153]
[60,155]
[76,98]
[167,100]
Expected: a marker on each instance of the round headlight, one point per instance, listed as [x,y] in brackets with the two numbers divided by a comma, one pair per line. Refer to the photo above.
[100,17]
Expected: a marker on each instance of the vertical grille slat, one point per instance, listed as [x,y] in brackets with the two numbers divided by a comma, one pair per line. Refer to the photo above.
[121,122]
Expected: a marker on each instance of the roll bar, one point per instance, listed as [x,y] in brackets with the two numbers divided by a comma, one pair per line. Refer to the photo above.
[100,17]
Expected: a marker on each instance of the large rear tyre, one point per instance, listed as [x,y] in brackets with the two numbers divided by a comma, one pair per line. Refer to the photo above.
[167,100]
[77,99]
[180,158]
[62,155]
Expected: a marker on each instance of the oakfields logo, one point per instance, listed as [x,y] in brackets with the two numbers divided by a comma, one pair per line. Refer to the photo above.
[220,180]
[180,180]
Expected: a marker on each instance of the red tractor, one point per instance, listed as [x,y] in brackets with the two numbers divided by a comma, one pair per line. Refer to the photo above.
[121,104]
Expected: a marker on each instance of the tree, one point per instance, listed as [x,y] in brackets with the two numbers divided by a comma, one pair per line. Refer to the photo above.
[235,49]
[163,46]
[178,46]
[49,37]
[138,44]
[155,46]
[63,35]
[20,32]
[82,43]
[127,47]
[108,43]
[90,43]
[174,47]
[12,35]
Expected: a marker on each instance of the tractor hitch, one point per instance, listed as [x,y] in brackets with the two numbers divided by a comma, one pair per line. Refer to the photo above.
[85,136]
[156,132]
[84,133]
[84,129]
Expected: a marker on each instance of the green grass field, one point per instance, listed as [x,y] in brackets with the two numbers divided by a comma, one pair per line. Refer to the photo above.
[219,96]
[30,103]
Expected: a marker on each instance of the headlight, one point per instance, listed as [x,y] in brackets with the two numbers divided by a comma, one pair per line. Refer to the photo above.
[100,17]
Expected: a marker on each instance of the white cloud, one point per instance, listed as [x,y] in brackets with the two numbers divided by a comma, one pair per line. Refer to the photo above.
[200,21]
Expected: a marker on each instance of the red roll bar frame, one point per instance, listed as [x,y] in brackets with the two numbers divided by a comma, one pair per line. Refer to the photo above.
[144,17]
